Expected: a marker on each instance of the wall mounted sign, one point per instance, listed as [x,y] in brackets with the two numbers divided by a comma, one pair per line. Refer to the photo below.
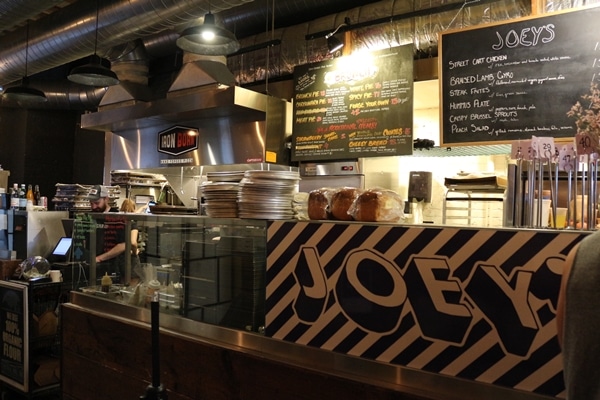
[354,106]
[512,80]
[178,140]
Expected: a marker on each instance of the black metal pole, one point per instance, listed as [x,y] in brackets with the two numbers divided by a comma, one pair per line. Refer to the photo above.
[155,391]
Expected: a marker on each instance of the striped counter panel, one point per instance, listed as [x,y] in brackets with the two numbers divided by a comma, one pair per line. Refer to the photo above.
[477,304]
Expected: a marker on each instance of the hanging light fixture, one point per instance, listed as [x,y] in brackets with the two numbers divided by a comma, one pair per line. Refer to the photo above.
[333,43]
[208,38]
[94,73]
[24,93]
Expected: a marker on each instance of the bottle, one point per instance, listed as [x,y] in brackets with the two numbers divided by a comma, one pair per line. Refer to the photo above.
[22,198]
[36,195]
[106,282]
[29,194]
[14,197]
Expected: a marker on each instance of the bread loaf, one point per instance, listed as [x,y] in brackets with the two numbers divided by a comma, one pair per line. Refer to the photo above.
[341,201]
[378,205]
[318,204]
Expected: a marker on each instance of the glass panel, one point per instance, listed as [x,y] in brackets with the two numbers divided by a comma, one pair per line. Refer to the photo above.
[206,269]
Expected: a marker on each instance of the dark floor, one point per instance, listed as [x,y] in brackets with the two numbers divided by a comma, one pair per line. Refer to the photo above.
[8,394]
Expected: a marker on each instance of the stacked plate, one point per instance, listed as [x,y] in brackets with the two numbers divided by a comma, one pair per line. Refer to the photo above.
[267,194]
[220,193]
[220,199]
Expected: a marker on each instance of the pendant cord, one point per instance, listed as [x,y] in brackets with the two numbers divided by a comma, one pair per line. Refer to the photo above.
[97,17]
[26,47]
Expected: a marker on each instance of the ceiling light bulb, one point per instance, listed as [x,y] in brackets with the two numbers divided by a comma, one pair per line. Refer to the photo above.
[208,35]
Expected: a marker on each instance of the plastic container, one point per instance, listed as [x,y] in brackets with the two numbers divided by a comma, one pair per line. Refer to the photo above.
[545,218]
[106,283]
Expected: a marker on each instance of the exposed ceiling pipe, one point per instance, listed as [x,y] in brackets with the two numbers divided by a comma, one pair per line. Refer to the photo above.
[158,36]
[16,12]
[68,34]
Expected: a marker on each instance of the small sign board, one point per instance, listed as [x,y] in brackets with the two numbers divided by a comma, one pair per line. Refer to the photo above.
[178,140]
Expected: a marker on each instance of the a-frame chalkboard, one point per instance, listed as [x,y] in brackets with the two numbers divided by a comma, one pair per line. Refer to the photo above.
[517,79]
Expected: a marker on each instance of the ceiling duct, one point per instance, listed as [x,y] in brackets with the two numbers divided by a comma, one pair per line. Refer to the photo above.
[68,34]
[132,68]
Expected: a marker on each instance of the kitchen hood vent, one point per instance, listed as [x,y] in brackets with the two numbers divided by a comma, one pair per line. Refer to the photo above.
[123,94]
[232,102]
[200,70]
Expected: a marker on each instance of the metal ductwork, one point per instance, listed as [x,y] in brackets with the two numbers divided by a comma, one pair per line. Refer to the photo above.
[68,34]
[126,28]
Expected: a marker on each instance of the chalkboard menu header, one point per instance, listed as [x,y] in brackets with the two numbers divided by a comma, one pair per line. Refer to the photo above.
[519,79]
[355,106]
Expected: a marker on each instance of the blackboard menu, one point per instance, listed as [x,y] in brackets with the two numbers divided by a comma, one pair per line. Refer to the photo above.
[354,106]
[519,79]
[13,311]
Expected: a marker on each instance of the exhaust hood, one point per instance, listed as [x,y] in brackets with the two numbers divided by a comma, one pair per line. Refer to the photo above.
[210,101]
[204,88]
[235,125]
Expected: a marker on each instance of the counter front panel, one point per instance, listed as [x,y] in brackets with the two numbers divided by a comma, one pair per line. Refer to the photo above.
[477,304]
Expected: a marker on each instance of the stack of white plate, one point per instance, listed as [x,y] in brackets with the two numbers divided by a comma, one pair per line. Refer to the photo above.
[267,194]
[220,193]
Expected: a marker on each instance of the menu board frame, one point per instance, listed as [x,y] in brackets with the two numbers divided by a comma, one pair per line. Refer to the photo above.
[347,107]
[539,67]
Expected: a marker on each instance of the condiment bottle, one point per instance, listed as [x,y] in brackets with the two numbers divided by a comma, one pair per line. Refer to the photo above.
[153,291]
[106,283]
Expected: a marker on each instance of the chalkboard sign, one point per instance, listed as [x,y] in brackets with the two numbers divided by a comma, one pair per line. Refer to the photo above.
[355,106]
[13,314]
[519,79]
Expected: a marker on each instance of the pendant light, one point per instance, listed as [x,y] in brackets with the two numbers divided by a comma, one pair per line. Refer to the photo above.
[208,38]
[94,73]
[24,93]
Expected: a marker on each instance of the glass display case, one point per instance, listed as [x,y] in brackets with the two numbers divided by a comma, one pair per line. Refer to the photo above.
[205,269]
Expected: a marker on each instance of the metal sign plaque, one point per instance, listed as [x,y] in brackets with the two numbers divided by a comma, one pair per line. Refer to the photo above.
[178,140]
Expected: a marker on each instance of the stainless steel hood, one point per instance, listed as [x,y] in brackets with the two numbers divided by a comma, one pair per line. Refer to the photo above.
[211,101]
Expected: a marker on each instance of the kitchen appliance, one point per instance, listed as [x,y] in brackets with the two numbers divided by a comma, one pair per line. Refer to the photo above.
[419,192]
[316,175]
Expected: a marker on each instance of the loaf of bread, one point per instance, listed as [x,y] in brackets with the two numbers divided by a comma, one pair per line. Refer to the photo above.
[377,205]
[341,201]
[318,204]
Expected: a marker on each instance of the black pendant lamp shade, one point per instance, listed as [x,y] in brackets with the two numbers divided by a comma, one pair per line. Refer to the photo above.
[208,39]
[24,93]
[93,74]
